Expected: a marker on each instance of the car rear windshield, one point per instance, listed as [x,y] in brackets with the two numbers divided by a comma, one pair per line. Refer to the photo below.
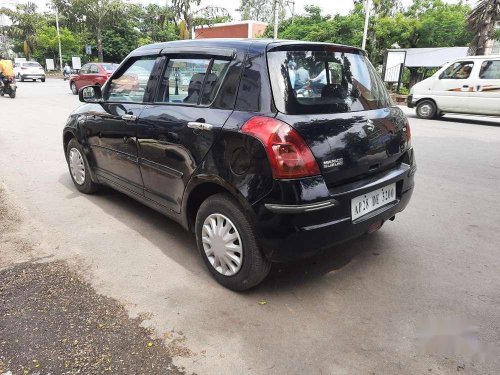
[110,68]
[32,65]
[309,82]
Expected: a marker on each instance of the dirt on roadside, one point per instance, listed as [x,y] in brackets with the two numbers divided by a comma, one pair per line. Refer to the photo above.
[53,322]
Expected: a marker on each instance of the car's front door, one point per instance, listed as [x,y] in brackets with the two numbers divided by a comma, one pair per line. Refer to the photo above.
[112,126]
[486,97]
[193,102]
[454,86]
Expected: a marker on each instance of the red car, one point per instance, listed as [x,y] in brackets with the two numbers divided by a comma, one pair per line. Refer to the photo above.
[91,74]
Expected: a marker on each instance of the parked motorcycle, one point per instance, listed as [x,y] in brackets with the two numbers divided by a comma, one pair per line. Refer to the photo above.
[9,87]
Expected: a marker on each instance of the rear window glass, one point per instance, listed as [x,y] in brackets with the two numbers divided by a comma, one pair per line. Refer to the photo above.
[32,65]
[307,82]
[110,68]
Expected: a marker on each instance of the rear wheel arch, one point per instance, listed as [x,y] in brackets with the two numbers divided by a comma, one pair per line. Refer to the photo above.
[68,136]
[197,194]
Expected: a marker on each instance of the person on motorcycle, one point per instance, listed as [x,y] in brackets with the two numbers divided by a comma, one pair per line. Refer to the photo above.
[66,70]
[301,77]
[6,69]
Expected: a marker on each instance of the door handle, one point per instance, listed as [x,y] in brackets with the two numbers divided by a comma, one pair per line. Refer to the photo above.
[129,117]
[199,125]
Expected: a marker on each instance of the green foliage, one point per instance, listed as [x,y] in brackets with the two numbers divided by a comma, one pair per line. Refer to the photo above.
[47,44]
[426,23]
[313,26]
[118,42]
[25,23]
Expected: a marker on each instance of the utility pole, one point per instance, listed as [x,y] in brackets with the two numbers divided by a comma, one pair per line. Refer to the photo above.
[367,18]
[275,19]
[59,40]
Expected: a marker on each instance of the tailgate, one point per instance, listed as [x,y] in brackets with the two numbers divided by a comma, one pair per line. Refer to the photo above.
[351,146]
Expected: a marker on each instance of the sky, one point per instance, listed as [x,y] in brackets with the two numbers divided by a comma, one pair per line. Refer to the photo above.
[328,6]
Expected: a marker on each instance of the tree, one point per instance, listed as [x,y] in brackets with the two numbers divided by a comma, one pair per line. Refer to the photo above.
[119,41]
[313,26]
[94,15]
[262,10]
[48,46]
[25,22]
[188,16]
[482,20]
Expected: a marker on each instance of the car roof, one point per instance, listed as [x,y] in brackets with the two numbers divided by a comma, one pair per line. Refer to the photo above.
[482,57]
[232,43]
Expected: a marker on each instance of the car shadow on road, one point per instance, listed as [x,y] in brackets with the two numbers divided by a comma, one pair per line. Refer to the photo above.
[286,276]
[180,245]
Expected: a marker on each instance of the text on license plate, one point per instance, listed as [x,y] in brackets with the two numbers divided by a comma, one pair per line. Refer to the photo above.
[369,202]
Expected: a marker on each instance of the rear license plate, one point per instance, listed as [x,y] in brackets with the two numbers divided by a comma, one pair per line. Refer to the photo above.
[364,204]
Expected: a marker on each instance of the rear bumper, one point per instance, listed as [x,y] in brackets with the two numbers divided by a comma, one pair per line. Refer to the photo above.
[286,236]
[32,76]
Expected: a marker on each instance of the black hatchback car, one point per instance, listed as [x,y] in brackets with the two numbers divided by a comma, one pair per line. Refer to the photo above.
[267,150]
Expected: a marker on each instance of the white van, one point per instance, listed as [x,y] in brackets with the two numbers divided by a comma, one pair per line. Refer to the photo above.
[467,85]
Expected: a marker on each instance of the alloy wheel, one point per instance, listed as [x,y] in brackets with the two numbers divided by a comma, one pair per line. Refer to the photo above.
[222,244]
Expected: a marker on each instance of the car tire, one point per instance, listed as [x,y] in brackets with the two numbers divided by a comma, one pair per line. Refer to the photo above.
[237,272]
[74,90]
[18,76]
[426,109]
[42,79]
[22,79]
[79,169]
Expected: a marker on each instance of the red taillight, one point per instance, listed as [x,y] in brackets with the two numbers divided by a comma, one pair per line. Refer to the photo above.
[288,154]
[408,132]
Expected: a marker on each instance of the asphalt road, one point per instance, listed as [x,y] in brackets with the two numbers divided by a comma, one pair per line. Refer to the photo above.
[422,295]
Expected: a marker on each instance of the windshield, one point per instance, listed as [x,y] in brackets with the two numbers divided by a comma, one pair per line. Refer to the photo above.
[110,68]
[32,65]
[308,82]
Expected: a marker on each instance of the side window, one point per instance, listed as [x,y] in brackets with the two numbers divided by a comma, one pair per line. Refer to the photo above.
[183,80]
[85,69]
[191,81]
[459,70]
[130,84]
[214,80]
[490,69]
[94,69]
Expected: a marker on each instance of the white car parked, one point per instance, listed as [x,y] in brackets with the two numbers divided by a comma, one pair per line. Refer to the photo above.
[467,85]
[29,70]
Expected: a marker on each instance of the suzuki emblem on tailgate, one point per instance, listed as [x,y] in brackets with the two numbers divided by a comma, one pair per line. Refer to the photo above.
[333,163]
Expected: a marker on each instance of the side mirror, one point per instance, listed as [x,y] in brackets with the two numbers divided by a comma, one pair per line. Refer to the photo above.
[90,94]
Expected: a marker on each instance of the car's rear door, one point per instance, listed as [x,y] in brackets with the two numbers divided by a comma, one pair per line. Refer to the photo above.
[81,79]
[195,97]
[485,100]
[112,127]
